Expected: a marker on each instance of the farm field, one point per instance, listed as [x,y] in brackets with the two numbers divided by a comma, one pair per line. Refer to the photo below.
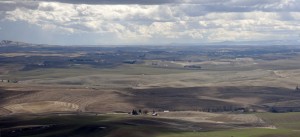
[113,125]
[93,91]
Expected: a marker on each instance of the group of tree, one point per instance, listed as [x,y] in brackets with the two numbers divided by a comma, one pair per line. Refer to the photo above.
[139,112]
[275,109]
[227,109]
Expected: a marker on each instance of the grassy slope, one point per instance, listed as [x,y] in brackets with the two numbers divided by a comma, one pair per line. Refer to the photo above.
[288,125]
[82,126]
[282,120]
[237,133]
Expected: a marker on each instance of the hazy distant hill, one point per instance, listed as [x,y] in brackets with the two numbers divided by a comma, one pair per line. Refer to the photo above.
[5,43]
[12,43]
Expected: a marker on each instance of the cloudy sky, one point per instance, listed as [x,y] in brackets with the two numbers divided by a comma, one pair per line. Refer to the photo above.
[148,22]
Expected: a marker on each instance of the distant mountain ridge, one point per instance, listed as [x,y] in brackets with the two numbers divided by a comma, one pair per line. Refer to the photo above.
[247,43]
[6,43]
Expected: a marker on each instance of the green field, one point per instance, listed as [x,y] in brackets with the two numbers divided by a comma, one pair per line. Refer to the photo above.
[282,120]
[287,124]
[255,132]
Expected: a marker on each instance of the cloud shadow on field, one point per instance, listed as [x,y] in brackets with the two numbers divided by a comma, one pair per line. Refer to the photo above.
[190,98]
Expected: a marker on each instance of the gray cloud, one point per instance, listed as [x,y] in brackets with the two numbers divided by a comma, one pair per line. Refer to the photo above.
[142,2]
[12,5]
[194,7]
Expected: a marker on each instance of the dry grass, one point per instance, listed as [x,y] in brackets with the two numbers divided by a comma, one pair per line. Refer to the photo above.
[42,107]
[194,116]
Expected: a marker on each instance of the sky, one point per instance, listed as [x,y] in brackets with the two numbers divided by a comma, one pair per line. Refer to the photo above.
[149,22]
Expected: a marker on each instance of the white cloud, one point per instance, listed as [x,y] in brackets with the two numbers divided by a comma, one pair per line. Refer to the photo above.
[195,20]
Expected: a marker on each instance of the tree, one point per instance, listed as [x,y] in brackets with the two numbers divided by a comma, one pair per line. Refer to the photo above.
[134,112]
